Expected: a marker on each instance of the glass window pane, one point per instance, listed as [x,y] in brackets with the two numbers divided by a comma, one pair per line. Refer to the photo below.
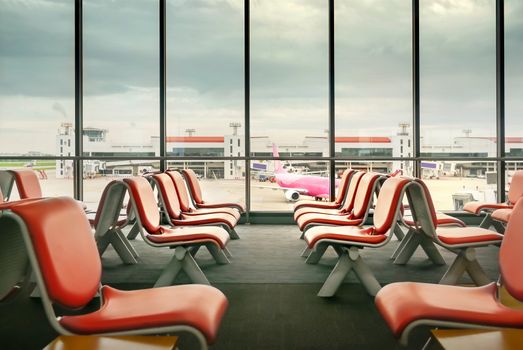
[289,70]
[98,173]
[205,97]
[452,184]
[373,77]
[510,169]
[121,70]
[36,75]
[513,78]
[55,176]
[220,180]
[458,76]
[384,167]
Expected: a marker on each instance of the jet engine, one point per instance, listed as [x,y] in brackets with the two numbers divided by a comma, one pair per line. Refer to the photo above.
[292,196]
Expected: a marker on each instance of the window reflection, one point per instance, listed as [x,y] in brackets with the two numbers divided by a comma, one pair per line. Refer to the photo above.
[121,87]
[457,75]
[205,99]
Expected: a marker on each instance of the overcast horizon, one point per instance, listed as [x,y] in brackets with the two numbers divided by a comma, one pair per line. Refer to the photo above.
[289,69]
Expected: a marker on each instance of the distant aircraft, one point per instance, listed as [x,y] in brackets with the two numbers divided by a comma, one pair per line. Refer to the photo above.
[294,184]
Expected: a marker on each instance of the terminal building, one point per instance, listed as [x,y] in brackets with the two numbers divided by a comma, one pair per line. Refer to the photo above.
[97,144]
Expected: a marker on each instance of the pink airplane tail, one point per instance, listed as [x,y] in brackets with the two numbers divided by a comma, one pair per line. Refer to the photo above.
[278,167]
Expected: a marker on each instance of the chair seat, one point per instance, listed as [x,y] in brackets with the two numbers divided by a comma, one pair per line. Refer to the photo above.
[442,220]
[405,302]
[342,220]
[218,218]
[309,203]
[317,210]
[502,215]
[199,306]
[189,234]
[349,234]
[477,207]
[467,235]
[205,205]
[201,211]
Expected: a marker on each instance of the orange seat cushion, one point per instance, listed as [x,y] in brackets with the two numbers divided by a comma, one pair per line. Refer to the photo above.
[442,220]
[206,211]
[315,218]
[348,234]
[307,203]
[199,306]
[467,235]
[502,215]
[189,234]
[218,218]
[205,205]
[405,302]
[477,207]
[317,210]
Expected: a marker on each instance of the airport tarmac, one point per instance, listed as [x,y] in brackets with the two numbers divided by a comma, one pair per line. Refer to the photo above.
[265,198]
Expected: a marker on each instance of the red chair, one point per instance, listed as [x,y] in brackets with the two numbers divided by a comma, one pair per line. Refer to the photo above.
[479,208]
[502,215]
[108,223]
[26,181]
[461,240]
[347,206]
[197,196]
[185,200]
[67,267]
[173,215]
[181,239]
[340,197]
[406,305]
[15,268]
[367,187]
[413,239]
[348,240]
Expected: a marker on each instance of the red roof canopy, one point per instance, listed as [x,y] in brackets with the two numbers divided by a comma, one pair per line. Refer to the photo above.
[363,139]
[193,139]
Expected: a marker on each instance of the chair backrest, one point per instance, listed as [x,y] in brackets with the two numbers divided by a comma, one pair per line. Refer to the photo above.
[14,261]
[6,183]
[168,195]
[181,190]
[194,185]
[422,208]
[63,246]
[351,191]
[430,202]
[144,201]
[389,203]
[344,184]
[27,183]
[364,194]
[515,191]
[510,257]
[109,208]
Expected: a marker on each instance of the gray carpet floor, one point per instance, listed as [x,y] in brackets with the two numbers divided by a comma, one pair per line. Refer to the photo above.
[271,254]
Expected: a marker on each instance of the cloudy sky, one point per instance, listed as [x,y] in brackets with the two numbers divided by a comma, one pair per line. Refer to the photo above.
[289,68]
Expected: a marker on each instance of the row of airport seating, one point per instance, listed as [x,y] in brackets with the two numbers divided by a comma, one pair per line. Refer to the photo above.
[53,238]
[406,305]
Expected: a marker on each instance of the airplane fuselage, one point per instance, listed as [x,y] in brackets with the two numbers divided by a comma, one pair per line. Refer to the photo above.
[315,186]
